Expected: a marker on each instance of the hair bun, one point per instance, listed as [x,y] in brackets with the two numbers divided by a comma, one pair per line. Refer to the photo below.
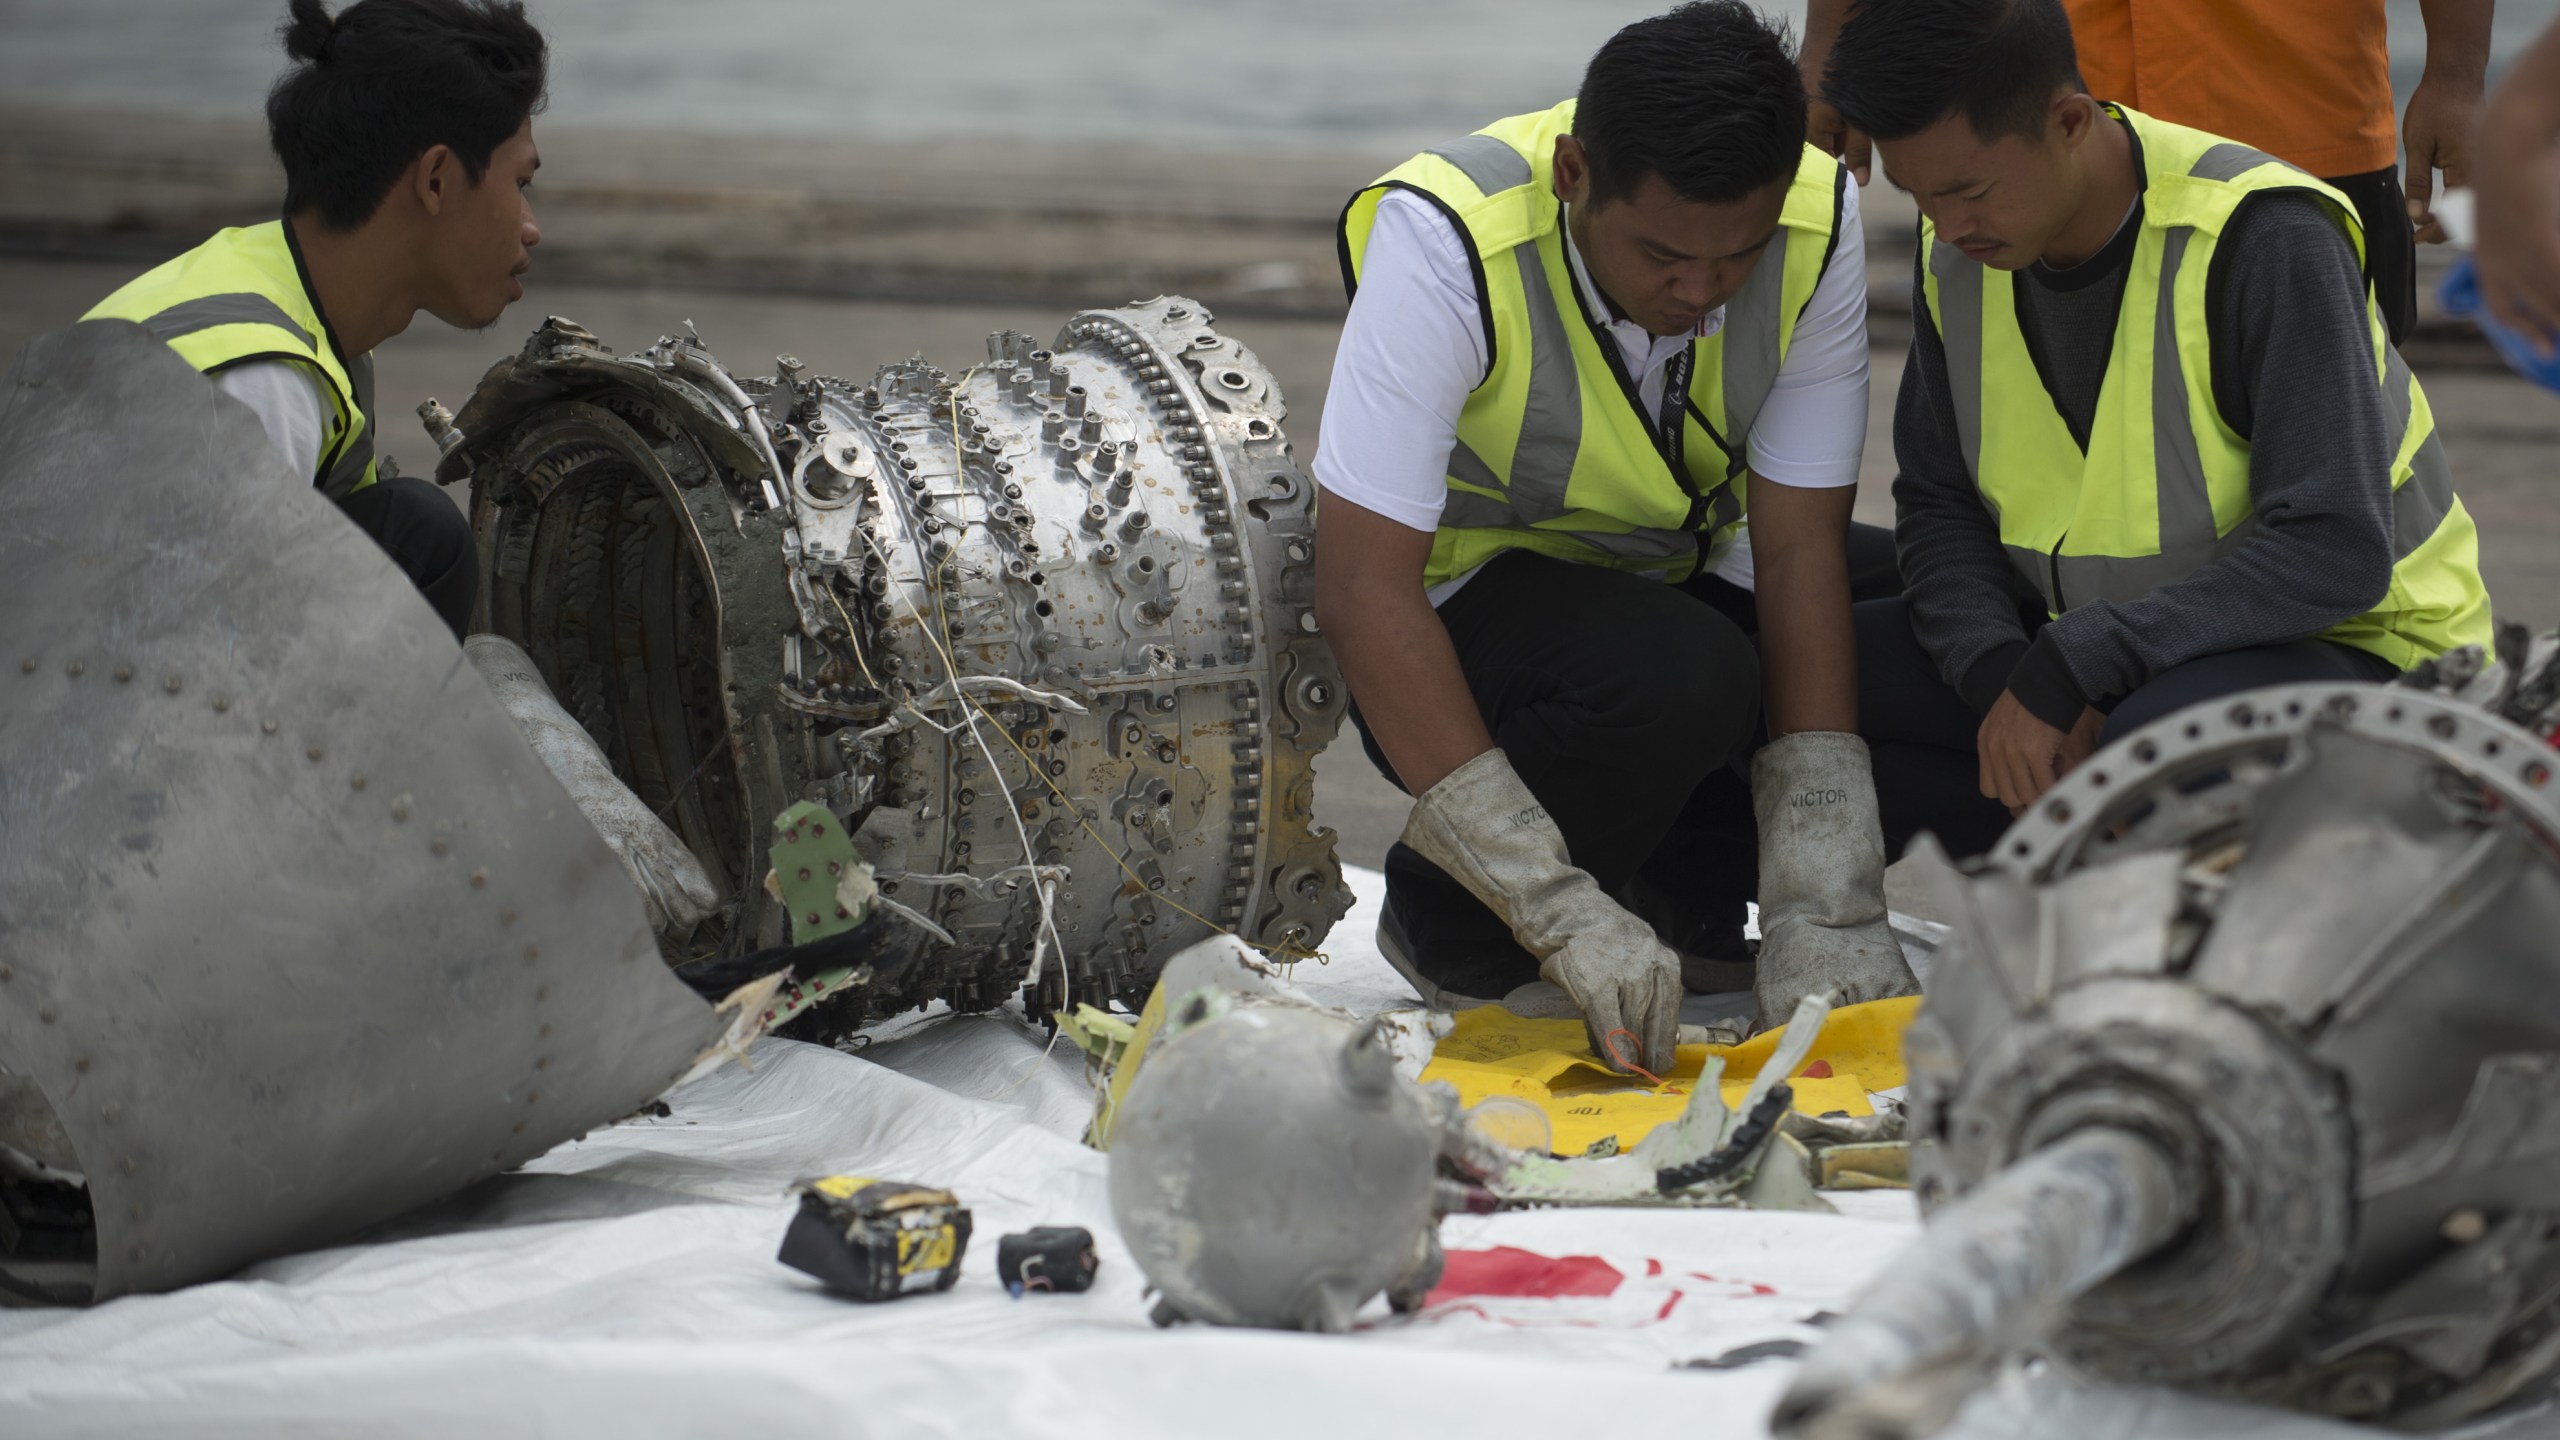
[310,31]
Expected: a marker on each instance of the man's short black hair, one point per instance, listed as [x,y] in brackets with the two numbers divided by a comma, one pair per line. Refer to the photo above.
[1901,66]
[385,81]
[1707,97]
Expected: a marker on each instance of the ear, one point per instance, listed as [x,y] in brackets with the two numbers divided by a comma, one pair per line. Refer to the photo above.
[2076,116]
[1572,171]
[436,178]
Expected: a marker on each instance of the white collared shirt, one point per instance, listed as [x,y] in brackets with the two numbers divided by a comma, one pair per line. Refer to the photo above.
[1413,349]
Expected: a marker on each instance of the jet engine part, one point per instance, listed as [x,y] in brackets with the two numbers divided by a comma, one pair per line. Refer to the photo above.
[2241,1071]
[1273,1163]
[1042,632]
[296,932]
[1269,1167]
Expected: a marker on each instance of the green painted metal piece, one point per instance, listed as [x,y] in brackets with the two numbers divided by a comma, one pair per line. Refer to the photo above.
[812,858]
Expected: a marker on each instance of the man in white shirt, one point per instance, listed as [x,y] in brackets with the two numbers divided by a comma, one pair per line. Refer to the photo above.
[1579,342]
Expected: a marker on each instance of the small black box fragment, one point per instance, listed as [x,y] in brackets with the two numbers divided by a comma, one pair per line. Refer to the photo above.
[1052,1257]
[877,1239]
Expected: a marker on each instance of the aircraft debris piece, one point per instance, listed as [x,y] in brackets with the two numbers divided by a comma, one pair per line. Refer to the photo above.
[1041,632]
[296,931]
[2241,1071]
[1273,1163]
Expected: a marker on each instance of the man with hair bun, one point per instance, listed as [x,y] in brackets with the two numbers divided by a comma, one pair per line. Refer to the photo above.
[1581,342]
[405,129]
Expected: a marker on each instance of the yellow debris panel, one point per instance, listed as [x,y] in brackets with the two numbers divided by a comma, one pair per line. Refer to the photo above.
[1549,1064]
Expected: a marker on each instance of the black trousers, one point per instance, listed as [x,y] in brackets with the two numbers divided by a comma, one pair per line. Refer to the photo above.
[2390,245]
[427,536]
[1922,733]
[1630,708]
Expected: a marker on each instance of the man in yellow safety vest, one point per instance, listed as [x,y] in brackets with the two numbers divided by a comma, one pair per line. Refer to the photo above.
[2154,444]
[405,128]
[1581,343]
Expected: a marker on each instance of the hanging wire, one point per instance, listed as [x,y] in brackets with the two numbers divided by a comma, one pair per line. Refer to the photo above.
[1285,953]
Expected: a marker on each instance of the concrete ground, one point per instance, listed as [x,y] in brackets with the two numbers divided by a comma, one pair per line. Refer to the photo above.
[2500,430]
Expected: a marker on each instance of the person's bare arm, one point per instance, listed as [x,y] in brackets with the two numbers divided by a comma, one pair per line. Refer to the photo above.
[1395,653]
[2518,203]
[1824,125]
[1800,568]
[2436,131]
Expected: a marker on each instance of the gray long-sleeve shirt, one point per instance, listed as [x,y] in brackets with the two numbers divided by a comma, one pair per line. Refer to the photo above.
[2293,374]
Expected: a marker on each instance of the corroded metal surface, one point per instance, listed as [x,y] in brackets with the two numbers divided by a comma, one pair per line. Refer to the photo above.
[295,931]
[2296,947]
[1047,623]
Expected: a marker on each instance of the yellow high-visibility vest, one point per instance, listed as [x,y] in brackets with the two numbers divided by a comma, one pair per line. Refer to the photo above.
[241,296]
[2163,488]
[1554,452]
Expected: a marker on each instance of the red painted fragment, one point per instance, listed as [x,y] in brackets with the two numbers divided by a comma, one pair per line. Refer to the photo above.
[1818,1070]
[1506,1270]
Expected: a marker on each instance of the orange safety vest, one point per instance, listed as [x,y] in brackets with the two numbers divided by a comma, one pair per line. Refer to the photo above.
[2307,81]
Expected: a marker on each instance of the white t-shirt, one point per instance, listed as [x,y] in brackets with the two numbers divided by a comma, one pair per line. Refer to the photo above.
[286,399]
[1413,349]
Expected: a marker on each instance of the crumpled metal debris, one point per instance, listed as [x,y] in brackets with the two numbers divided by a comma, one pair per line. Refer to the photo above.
[299,932]
[1273,1165]
[2242,1072]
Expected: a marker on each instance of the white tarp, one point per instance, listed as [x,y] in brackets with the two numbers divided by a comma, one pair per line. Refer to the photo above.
[625,1285]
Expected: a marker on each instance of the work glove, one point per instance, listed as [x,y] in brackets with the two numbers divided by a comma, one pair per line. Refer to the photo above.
[1822,916]
[674,888]
[1484,827]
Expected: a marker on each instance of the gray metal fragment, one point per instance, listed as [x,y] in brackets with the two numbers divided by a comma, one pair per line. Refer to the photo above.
[295,932]
[1270,1168]
[2295,948]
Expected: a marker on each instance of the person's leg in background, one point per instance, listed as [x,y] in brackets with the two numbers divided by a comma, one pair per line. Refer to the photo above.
[427,536]
[2213,677]
[1921,735]
[1613,696]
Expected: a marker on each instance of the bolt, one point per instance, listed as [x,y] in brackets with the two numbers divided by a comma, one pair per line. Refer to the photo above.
[27,666]
[316,753]
[170,684]
[123,673]
[221,704]
[2466,1227]
[267,726]
[355,782]
[438,846]
[479,879]
[75,669]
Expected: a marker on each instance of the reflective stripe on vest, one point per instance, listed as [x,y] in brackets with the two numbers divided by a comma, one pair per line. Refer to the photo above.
[238,298]
[1552,452]
[2163,485]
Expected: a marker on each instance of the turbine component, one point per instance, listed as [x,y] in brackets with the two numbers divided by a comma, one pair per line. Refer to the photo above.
[1273,1162]
[1041,632]
[2241,1071]
[296,932]
[1269,1166]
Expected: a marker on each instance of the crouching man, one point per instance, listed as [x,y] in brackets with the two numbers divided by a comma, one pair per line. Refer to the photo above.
[2154,444]
[1581,343]
[406,132]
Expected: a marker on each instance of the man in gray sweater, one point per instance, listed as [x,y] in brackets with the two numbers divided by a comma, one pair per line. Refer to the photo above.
[2154,447]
